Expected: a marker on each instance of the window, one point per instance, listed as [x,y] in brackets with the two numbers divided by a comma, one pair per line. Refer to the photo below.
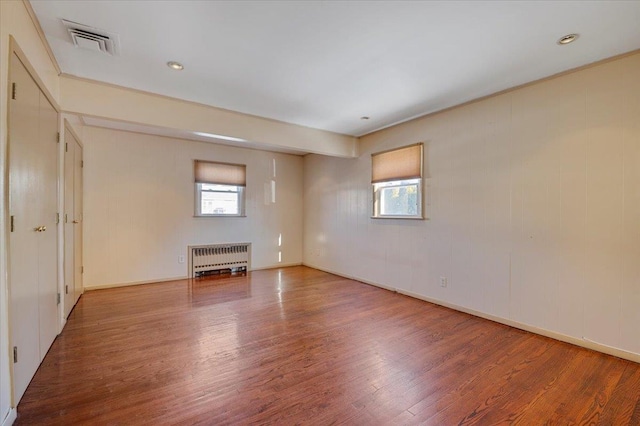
[219,188]
[396,179]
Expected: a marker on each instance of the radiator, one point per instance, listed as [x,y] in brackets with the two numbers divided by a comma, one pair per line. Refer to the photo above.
[217,257]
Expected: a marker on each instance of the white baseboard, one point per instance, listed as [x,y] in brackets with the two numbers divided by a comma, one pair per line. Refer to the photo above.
[158,280]
[161,280]
[351,277]
[583,342]
[11,417]
[280,265]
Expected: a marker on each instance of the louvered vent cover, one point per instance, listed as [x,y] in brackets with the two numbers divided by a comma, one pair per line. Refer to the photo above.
[92,38]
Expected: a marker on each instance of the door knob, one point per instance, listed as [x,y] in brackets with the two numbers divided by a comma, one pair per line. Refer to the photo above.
[40,228]
[75,221]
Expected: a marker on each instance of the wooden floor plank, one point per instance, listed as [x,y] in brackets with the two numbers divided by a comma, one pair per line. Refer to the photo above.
[300,346]
[624,400]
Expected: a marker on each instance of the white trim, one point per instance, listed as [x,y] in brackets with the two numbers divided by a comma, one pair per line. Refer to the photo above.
[280,265]
[11,417]
[114,285]
[350,277]
[583,342]
[161,280]
[241,190]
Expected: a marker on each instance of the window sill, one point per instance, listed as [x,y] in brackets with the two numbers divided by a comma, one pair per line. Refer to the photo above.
[399,217]
[219,215]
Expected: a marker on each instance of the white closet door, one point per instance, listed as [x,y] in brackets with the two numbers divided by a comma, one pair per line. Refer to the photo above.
[24,112]
[47,197]
[33,124]
[77,220]
[69,195]
[72,222]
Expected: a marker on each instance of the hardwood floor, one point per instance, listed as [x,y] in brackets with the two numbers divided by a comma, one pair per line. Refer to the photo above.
[300,346]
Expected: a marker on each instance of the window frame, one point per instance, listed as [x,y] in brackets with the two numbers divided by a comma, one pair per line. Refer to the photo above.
[237,183]
[240,190]
[377,201]
[401,181]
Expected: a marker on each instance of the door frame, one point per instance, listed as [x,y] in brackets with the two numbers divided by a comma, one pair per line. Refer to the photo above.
[66,127]
[14,48]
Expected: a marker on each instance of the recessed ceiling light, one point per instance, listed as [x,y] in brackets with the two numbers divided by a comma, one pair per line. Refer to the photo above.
[175,65]
[364,118]
[568,38]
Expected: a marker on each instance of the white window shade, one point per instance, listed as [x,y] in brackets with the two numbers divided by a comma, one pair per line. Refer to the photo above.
[220,173]
[398,164]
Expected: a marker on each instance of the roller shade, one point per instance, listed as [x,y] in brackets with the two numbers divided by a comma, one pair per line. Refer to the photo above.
[220,173]
[398,164]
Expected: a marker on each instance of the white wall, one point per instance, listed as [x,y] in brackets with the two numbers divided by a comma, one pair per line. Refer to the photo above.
[139,206]
[534,208]
[14,21]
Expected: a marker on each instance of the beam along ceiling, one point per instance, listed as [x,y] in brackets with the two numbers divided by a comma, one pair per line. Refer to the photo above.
[326,64]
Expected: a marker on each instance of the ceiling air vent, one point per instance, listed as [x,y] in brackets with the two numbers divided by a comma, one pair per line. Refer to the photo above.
[92,38]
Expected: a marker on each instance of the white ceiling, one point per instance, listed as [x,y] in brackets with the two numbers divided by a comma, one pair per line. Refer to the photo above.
[324,64]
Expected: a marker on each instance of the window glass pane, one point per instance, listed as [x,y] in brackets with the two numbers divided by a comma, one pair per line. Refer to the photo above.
[217,199]
[398,198]
[219,202]
[213,187]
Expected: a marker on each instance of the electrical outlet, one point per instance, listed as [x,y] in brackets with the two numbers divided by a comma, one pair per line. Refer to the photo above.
[443,281]
[180,259]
